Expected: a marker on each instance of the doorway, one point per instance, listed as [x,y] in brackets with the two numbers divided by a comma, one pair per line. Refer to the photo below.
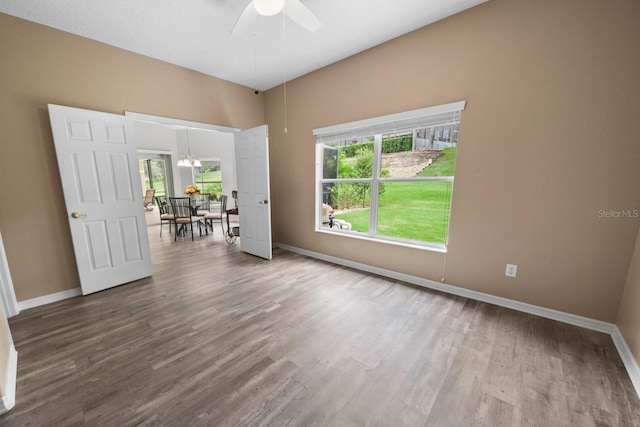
[154,173]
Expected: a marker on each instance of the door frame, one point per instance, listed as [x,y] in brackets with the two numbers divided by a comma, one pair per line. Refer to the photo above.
[141,117]
[178,124]
[7,293]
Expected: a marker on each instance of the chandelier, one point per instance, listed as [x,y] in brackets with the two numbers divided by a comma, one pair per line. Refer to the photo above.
[189,160]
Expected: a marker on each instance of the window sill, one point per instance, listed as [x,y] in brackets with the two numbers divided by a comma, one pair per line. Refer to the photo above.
[431,247]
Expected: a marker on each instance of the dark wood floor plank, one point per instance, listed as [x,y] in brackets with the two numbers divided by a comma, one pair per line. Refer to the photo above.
[221,338]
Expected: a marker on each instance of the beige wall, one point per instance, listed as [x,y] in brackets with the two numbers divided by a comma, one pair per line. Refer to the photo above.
[629,315]
[39,65]
[550,136]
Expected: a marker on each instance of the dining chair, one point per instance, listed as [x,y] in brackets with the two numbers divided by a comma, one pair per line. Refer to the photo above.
[148,199]
[183,216]
[204,202]
[218,213]
[165,212]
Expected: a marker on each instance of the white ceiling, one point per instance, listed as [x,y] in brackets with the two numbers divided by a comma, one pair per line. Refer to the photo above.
[195,33]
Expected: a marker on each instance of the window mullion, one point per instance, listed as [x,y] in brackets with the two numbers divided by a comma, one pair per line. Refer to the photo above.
[420,179]
[147,165]
[375,185]
[345,180]
[319,185]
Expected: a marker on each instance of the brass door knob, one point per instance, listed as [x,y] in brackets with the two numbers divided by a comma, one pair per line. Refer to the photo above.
[76,215]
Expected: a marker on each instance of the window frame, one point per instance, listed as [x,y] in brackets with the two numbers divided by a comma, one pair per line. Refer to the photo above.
[379,127]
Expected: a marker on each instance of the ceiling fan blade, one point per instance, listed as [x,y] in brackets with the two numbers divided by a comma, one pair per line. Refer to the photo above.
[244,20]
[301,15]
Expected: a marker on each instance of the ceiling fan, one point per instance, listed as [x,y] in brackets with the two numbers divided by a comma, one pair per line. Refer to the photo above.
[294,9]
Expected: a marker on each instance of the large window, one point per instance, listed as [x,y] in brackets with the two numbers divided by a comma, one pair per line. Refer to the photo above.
[209,178]
[389,178]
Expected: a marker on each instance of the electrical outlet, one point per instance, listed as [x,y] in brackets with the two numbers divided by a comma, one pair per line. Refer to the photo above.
[512,270]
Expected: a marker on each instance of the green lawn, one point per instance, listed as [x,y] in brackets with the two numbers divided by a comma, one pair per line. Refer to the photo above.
[159,187]
[413,210]
[210,176]
[444,165]
[210,188]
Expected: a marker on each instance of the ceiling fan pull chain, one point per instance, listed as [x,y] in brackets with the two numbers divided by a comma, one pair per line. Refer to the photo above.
[284,72]
[255,63]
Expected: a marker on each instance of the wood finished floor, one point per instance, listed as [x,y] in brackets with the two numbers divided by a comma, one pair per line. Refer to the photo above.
[221,338]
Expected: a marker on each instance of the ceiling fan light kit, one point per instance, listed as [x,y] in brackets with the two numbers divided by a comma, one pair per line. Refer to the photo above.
[268,7]
[293,9]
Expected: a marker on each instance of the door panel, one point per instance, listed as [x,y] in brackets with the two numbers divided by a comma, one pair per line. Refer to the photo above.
[121,175]
[97,241]
[129,231]
[97,160]
[88,187]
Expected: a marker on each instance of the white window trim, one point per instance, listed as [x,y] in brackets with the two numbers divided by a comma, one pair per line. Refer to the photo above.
[427,246]
[372,126]
[392,120]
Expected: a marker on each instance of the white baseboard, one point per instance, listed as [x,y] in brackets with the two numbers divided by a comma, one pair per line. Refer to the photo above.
[548,313]
[8,401]
[627,358]
[609,328]
[47,299]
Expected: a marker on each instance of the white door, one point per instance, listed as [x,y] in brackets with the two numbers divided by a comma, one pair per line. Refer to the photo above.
[252,169]
[99,172]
